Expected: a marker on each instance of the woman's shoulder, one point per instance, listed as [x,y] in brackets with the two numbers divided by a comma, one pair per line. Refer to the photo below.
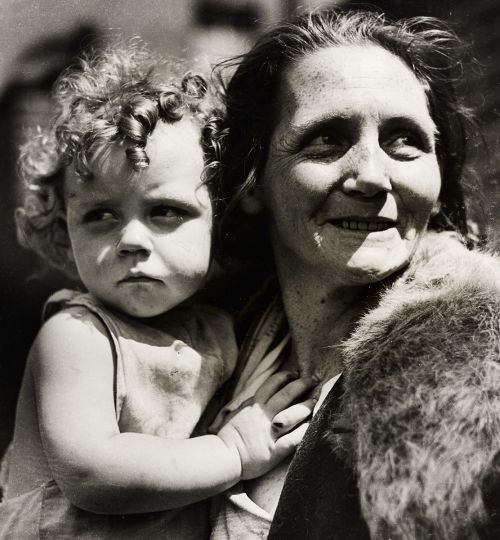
[444,267]
[445,254]
[421,374]
[445,285]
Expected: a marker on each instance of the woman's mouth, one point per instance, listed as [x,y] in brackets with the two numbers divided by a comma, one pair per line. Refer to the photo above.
[362,225]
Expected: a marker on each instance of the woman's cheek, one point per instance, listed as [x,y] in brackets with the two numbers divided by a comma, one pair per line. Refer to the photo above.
[423,178]
[315,178]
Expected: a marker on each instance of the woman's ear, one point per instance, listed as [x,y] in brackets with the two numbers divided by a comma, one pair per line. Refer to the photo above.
[251,201]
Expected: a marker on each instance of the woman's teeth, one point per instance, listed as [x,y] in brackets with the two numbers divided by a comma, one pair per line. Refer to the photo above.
[365,225]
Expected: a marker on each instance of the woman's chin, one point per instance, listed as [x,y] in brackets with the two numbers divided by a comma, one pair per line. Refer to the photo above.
[369,265]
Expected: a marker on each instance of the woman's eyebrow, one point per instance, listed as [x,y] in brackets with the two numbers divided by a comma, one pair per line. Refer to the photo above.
[297,133]
[341,122]
[427,128]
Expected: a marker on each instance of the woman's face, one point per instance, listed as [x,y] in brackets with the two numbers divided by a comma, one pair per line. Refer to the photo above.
[352,174]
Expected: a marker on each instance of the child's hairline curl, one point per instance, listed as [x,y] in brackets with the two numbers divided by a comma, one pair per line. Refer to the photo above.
[105,115]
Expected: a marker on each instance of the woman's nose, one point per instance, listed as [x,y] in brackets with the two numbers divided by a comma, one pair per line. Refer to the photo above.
[134,239]
[366,172]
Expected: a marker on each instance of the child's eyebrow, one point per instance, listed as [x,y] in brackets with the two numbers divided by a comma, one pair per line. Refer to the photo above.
[173,194]
[91,199]
[167,196]
[172,200]
[89,191]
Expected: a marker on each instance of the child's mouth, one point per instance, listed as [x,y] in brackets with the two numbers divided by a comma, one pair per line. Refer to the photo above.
[139,279]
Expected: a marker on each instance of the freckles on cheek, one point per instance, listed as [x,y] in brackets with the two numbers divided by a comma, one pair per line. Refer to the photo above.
[419,196]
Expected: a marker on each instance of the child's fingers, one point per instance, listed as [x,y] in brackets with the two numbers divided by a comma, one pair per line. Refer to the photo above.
[273,384]
[266,390]
[291,392]
[289,418]
[287,444]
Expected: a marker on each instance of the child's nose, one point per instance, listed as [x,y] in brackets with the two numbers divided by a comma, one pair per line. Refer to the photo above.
[134,238]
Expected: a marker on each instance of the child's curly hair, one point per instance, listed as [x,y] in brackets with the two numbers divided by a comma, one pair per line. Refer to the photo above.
[116,94]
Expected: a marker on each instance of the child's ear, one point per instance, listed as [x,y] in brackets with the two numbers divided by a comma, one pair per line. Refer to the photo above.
[251,201]
[63,241]
[436,209]
[70,268]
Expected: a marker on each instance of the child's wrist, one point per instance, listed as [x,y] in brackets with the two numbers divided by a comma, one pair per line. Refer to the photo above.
[228,435]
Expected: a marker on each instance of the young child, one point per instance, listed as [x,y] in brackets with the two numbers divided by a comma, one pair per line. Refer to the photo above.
[119,376]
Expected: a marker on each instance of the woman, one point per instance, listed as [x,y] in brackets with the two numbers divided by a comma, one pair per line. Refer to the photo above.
[344,145]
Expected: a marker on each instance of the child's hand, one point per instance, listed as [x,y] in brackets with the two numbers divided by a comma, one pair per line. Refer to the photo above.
[267,428]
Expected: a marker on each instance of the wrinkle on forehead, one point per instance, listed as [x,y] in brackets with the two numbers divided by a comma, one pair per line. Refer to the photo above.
[350,66]
[385,67]
[359,74]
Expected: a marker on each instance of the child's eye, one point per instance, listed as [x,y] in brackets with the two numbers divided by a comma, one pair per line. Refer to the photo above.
[163,211]
[99,215]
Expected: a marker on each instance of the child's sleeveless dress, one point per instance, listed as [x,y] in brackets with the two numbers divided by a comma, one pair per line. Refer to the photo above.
[164,381]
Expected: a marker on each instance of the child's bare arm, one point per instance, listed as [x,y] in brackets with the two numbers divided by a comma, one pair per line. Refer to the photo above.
[102,470]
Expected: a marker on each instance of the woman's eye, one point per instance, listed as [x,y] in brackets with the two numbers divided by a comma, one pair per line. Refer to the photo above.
[329,143]
[101,215]
[403,145]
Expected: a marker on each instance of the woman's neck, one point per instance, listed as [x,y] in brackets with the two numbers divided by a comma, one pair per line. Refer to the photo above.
[320,315]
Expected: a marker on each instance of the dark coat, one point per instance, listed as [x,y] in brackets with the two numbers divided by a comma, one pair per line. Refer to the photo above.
[406,447]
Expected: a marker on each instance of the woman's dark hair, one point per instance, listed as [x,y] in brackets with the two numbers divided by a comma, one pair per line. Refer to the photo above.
[430,49]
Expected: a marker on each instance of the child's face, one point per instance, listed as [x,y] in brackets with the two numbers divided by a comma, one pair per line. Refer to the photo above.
[141,240]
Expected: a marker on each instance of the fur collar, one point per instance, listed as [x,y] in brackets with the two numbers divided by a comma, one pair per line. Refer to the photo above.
[422,392]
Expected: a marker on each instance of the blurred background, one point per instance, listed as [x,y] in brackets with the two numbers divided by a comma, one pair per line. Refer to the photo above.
[41,37]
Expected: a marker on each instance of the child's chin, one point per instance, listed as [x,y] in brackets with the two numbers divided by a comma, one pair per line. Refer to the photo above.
[143,312]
